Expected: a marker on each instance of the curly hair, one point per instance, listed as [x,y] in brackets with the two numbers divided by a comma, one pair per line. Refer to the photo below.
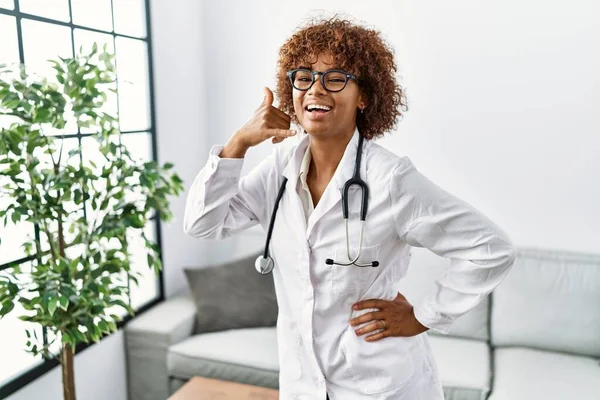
[356,49]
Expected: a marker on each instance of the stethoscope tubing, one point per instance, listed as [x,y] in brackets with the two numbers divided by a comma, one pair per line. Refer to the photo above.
[264,264]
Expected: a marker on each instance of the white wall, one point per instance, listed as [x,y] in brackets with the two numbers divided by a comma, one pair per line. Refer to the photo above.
[99,375]
[192,114]
[502,99]
[180,119]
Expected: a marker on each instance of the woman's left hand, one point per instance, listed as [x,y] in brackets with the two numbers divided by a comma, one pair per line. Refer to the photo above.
[397,315]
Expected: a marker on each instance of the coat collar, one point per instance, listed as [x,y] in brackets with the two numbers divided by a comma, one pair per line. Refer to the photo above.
[345,168]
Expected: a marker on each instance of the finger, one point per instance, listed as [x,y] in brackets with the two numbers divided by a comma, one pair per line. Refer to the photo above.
[400,296]
[276,140]
[377,336]
[280,113]
[268,99]
[282,133]
[277,121]
[370,316]
[373,326]
[371,303]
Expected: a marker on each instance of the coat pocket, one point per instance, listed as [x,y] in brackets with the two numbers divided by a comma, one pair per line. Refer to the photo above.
[351,278]
[380,366]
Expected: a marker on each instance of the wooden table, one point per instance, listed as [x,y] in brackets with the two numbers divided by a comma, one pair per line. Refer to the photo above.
[199,388]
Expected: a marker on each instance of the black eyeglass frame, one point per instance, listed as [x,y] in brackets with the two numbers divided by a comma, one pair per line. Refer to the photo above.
[348,76]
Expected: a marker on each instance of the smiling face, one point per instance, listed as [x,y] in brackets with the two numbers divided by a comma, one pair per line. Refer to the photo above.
[323,113]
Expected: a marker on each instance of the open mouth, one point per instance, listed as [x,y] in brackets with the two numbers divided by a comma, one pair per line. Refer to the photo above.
[317,109]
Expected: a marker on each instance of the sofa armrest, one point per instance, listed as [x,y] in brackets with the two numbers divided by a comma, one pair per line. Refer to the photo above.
[147,341]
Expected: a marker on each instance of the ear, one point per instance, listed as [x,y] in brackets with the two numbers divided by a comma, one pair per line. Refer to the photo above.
[362,100]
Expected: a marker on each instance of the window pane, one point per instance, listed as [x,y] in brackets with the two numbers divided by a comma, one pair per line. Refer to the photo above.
[7,4]
[9,45]
[14,339]
[132,71]
[147,279]
[43,41]
[138,144]
[87,39]
[130,17]
[94,14]
[55,9]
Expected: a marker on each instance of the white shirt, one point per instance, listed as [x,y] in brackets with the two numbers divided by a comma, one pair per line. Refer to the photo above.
[302,187]
[318,349]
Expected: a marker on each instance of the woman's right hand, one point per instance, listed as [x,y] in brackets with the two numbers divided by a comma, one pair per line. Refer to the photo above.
[267,122]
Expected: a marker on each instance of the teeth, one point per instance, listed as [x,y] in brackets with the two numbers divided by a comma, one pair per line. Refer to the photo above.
[318,106]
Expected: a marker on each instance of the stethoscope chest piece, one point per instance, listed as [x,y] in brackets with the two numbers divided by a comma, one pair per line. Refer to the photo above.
[264,265]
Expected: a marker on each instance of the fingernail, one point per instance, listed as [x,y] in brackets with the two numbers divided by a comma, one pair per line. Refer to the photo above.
[355,307]
[292,132]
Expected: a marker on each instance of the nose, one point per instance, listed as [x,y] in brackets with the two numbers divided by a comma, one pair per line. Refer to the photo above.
[317,87]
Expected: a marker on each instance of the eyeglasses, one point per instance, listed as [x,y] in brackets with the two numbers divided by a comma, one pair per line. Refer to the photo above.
[333,80]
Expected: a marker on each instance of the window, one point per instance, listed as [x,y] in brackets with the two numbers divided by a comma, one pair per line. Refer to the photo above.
[32,32]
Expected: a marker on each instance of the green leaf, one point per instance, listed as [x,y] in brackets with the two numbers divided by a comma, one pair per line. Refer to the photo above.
[15,217]
[13,289]
[7,307]
[77,196]
[104,327]
[150,260]
[64,303]
[52,304]
[42,115]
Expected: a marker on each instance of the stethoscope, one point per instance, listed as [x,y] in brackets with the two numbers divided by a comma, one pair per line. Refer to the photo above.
[264,264]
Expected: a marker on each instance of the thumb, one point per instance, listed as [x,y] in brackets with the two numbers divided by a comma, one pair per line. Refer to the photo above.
[400,298]
[268,99]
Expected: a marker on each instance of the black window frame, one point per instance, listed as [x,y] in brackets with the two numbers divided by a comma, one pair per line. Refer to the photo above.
[18,382]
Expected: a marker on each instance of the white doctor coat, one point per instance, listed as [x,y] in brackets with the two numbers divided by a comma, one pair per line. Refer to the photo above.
[319,352]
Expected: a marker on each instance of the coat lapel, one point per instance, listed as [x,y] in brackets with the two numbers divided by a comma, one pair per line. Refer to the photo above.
[291,197]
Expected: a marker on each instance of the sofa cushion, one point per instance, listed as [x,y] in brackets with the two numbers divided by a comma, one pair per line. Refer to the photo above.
[464,367]
[232,295]
[525,374]
[240,355]
[549,301]
[425,267]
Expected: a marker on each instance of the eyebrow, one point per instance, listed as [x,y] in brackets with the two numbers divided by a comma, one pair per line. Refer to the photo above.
[309,68]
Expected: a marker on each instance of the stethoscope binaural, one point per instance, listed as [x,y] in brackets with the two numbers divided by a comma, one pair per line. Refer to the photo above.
[264,264]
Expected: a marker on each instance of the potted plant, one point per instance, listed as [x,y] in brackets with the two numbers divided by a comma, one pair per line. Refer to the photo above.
[83,213]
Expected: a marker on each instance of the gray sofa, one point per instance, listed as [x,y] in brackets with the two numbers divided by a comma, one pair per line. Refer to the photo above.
[536,337]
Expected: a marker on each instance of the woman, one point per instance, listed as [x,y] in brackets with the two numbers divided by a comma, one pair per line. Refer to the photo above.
[344,331]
